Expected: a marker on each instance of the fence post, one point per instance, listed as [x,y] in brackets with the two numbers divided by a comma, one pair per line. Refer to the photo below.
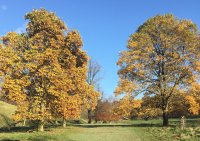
[182,123]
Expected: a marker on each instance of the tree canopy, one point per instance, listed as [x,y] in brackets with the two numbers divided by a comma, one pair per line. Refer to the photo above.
[44,70]
[162,57]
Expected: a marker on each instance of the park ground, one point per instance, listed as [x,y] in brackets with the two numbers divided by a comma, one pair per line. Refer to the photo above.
[137,130]
[129,130]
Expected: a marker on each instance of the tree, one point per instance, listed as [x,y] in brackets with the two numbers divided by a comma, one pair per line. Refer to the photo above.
[150,108]
[192,99]
[93,72]
[73,62]
[92,79]
[105,111]
[12,72]
[182,103]
[162,56]
[44,70]
[127,106]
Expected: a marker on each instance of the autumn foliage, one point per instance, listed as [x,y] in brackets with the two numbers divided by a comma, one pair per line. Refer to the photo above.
[162,58]
[48,75]
[105,111]
[44,70]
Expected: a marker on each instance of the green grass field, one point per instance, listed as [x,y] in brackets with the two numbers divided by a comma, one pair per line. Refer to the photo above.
[129,130]
[6,111]
[137,130]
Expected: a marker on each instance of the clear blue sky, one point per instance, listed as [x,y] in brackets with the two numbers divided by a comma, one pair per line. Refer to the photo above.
[105,25]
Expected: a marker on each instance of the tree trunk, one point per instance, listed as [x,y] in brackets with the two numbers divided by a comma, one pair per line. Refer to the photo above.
[41,126]
[64,123]
[165,118]
[24,122]
[56,122]
[89,116]
[165,111]
[41,122]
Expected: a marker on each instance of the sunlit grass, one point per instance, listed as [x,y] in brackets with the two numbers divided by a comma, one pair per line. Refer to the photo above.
[135,130]
[6,111]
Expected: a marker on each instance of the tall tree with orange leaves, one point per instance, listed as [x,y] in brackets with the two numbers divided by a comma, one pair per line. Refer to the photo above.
[162,56]
[44,70]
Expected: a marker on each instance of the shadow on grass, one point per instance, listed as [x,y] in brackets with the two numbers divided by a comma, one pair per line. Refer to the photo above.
[35,138]
[49,126]
[8,140]
[30,128]
[16,129]
[41,138]
[117,125]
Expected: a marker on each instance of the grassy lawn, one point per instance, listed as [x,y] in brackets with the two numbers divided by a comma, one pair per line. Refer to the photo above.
[136,130]
[76,134]
[130,130]
[6,111]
